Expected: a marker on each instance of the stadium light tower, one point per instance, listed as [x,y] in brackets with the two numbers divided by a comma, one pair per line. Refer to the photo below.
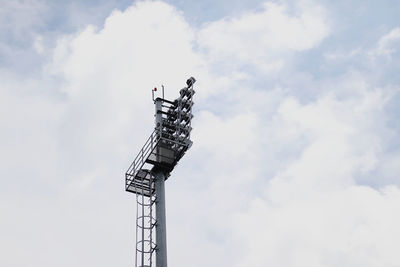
[146,175]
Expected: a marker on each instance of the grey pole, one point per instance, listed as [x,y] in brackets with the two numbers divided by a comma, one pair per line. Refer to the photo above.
[161,227]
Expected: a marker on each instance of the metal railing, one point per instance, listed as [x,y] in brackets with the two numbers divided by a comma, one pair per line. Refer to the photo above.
[141,157]
[149,152]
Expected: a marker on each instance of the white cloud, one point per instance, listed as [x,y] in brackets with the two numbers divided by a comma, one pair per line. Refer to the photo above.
[131,42]
[347,227]
[265,38]
[314,212]
[388,43]
[311,208]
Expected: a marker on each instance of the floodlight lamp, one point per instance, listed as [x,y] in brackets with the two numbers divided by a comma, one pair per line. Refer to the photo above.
[190,81]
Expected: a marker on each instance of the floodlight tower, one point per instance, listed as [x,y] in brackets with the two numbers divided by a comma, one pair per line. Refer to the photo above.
[146,175]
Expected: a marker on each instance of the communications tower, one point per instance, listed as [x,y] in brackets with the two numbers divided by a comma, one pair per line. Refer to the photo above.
[146,175]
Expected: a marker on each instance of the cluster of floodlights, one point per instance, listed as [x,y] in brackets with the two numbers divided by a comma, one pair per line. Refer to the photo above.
[177,115]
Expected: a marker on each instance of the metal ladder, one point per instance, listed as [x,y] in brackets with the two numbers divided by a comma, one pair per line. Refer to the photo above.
[145,219]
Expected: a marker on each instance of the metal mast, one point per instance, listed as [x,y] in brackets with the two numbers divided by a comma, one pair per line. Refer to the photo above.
[152,166]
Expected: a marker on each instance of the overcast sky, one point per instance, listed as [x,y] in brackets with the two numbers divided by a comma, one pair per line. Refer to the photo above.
[296,155]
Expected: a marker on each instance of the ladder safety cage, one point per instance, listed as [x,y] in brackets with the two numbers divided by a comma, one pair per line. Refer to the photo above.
[145,223]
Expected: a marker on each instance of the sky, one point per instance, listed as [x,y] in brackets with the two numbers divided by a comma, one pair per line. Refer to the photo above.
[296,154]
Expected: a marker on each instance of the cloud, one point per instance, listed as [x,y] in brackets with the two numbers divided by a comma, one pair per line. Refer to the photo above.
[266,37]
[315,210]
[387,43]
[164,39]
[347,227]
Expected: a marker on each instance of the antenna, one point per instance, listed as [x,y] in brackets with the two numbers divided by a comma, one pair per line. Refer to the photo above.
[155,89]
[154,163]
